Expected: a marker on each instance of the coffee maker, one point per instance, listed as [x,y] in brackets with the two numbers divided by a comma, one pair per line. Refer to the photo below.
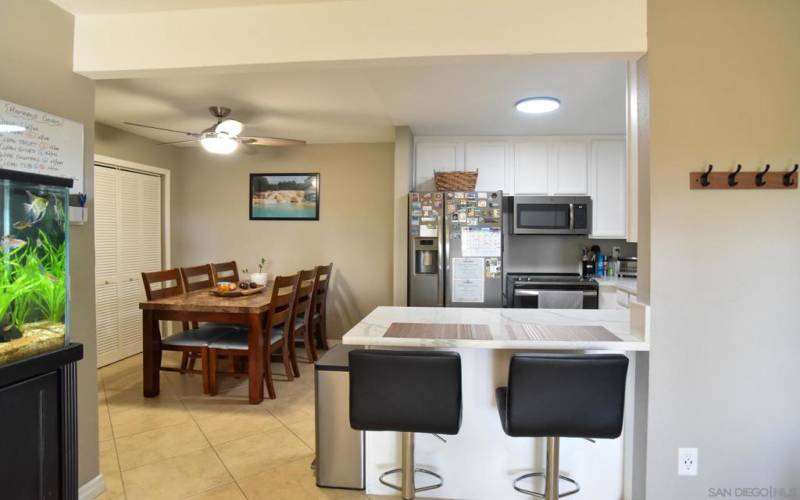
[588,265]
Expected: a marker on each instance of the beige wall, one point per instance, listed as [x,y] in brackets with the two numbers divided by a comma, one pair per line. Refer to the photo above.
[116,143]
[36,54]
[111,46]
[403,168]
[211,220]
[724,283]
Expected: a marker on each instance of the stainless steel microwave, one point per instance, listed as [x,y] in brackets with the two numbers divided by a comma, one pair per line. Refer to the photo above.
[552,215]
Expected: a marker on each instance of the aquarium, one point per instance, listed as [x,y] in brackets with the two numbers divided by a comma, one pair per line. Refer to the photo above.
[34,265]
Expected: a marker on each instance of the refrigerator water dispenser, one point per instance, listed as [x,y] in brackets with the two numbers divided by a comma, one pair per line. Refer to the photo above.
[426,256]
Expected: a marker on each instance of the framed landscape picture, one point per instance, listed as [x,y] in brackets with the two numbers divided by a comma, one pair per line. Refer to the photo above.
[284,196]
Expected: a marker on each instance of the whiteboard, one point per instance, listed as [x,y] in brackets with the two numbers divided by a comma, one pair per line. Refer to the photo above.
[50,145]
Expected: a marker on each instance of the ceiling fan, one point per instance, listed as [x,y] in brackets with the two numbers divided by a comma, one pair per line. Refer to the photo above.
[223,137]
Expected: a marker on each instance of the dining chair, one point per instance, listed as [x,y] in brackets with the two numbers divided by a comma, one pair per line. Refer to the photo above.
[319,305]
[168,283]
[225,271]
[202,278]
[277,331]
[300,324]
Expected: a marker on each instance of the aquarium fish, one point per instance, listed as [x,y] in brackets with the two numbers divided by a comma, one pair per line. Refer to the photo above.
[58,208]
[36,208]
[22,225]
[10,243]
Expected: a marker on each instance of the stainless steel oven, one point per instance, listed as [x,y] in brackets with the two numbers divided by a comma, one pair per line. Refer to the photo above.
[552,215]
[535,290]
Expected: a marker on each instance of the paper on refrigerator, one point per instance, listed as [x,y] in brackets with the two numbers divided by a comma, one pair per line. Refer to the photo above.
[481,241]
[467,279]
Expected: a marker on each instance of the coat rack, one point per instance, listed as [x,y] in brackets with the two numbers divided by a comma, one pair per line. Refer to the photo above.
[763,179]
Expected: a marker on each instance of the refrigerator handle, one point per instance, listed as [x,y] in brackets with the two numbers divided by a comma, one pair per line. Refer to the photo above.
[444,249]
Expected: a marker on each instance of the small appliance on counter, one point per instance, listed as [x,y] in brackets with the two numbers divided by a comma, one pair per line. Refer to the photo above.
[551,291]
[455,254]
[628,267]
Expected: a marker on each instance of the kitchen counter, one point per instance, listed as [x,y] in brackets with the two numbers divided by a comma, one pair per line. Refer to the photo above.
[506,328]
[624,284]
[481,460]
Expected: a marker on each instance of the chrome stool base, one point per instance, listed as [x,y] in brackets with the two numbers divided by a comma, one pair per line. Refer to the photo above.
[544,495]
[416,490]
[408,487]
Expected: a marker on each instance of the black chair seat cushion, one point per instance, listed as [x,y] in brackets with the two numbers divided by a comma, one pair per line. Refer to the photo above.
[405,391]
[569,395]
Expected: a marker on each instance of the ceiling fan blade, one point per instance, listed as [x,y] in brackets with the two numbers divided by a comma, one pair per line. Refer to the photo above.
[270,141]
[192,134]
[176,142]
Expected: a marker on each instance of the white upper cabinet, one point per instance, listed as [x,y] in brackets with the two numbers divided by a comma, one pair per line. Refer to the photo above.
[433,157]
[609,185]
[569,167]
[531,168]
[491,160]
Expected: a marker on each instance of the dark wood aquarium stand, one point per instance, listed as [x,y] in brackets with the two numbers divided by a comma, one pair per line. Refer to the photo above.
[39,433]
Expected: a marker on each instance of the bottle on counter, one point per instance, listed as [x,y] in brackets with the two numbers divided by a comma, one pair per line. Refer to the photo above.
[600,265]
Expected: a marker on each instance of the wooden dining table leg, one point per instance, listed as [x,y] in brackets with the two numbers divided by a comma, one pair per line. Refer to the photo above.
[255,358]
[151,354]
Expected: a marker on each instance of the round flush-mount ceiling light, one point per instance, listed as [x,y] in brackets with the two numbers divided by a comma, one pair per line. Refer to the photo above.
[537,105]
[219,143]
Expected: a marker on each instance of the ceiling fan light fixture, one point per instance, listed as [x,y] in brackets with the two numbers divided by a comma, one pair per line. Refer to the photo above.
[219,143]
[230,127]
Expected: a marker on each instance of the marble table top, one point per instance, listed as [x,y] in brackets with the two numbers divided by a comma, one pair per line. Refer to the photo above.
[508,328]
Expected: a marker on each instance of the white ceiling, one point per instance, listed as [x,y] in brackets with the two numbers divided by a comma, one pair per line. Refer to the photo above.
[82,7]
[358,103]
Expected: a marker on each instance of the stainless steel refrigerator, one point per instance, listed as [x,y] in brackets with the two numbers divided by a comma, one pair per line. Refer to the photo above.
[455,249]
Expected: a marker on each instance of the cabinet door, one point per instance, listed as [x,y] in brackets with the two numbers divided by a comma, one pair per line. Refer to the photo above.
[569,172]
[608,298]
[609,189]
[490,160]
[531,170]
[434,156]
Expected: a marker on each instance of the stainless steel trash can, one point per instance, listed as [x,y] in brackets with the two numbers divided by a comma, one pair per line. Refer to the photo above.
[340,449]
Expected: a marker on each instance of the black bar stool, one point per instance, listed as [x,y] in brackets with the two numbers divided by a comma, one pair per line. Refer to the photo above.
[408,392]
[566,395]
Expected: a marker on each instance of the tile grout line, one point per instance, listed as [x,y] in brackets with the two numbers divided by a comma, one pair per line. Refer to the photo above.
[114,439]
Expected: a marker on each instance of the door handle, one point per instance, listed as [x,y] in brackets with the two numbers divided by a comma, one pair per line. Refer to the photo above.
[571,216]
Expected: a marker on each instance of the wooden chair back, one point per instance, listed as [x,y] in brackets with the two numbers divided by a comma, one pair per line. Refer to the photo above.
[304,295]
[164,281]
[321,283]
[225,271]
[282,302]
[197,277]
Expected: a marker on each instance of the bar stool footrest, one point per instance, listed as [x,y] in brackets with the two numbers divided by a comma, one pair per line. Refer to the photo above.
[416,490]
[542,495]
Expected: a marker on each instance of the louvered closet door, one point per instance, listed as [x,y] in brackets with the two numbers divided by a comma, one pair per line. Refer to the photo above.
[105,244]
[137,248]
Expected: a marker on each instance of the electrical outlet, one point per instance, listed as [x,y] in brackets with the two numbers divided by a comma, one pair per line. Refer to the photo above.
[616,252]
[687,461]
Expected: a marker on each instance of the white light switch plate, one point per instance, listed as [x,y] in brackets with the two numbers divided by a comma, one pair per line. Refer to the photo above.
[687,461]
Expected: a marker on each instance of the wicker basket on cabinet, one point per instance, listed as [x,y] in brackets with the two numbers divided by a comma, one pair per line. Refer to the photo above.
[456,181]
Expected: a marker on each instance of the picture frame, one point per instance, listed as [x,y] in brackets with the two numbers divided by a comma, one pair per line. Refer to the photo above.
[284,196]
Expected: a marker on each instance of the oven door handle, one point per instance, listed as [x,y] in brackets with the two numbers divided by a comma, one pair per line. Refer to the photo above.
[535,293]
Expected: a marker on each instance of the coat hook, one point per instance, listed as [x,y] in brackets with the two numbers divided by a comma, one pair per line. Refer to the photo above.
[760,176]
[732,176]
[787,177]
[704,178]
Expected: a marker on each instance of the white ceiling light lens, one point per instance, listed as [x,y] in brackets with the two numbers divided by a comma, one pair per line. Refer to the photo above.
[221,144]
[537,105]
[8,127]
[230,127]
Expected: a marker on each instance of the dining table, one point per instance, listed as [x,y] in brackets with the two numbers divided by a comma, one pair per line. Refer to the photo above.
[203,306]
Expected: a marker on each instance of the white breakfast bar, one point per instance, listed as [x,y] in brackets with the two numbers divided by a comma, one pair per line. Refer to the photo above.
[481,462]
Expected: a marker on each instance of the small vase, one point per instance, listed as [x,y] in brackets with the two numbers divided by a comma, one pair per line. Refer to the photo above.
[259,279]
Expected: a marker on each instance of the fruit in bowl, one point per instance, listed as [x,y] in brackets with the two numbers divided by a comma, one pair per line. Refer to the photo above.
[226,286]
[253,284]
[244,285]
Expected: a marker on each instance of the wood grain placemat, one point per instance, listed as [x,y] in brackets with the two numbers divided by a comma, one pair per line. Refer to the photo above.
[530,331]
[446,331]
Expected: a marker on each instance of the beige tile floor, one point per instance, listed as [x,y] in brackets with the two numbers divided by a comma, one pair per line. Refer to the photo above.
[184,444]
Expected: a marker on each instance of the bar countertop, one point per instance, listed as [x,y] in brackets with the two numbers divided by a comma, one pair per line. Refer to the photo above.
[496,328]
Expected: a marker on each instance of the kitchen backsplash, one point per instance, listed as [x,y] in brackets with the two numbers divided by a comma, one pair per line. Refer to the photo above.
[544,253]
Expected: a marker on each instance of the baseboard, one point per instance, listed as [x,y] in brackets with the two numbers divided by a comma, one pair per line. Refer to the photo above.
[92,489]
